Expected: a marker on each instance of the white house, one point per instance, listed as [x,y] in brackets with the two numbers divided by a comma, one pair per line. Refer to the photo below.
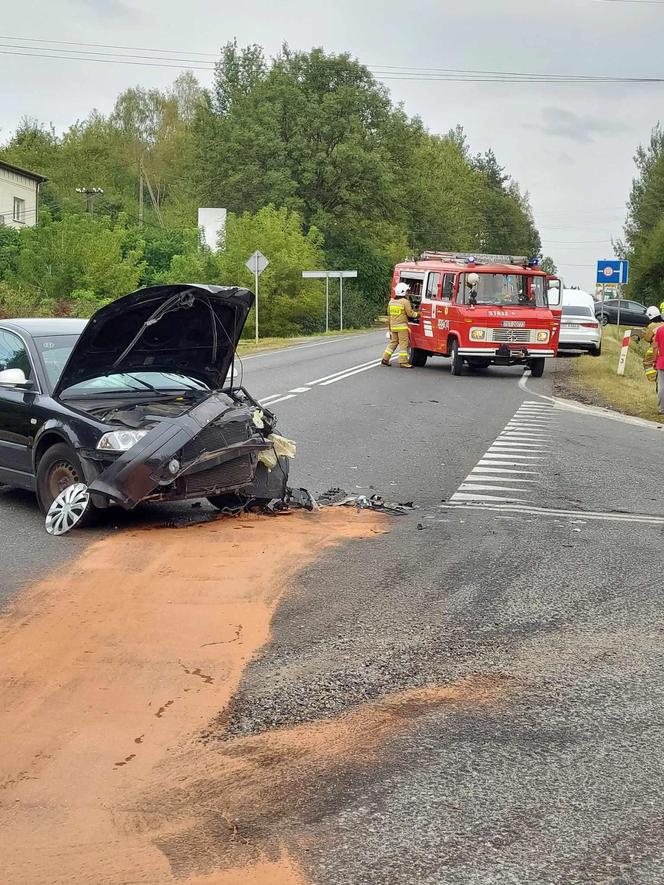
[19,195]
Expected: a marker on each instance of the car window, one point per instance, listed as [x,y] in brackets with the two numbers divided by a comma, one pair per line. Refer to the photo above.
[433,283]
[13,354]
[634,305]
[577,310]
[448,286]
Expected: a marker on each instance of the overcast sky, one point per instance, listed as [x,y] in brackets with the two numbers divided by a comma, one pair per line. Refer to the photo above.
[570,145]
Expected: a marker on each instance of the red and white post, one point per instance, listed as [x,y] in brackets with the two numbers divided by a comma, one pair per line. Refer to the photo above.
[627,337]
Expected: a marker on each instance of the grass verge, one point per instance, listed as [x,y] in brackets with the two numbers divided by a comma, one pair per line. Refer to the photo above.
[248,346]
[595,379]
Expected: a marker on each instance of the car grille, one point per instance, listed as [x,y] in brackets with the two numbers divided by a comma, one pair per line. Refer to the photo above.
[213,438]
[230,475]
[512,336]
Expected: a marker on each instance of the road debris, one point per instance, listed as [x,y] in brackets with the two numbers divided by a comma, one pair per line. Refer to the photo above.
[336,497]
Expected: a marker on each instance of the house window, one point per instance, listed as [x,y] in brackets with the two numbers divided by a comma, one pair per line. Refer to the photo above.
[19,210]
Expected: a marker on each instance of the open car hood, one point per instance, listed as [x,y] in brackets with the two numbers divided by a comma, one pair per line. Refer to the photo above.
[187,328]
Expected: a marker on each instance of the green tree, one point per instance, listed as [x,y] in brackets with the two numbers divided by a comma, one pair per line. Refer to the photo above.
[288,303]
[59,260]
[644,229]
[548,265]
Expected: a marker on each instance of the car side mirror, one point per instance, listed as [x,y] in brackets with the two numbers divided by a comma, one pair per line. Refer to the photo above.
[15,378]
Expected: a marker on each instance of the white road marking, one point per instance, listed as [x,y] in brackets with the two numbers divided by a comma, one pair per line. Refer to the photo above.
[526,509]
[300,389]
[519,446]
[477,487]
[483,474]
[495,467]
[282,399]
[514,463]
[594,411]
[510,453]
[462,496]
[280,350]
[267,399]
[493,462]
[474,478]
[348,374]
[368,364]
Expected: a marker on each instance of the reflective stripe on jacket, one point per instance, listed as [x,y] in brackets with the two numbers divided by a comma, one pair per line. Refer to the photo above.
[399,311]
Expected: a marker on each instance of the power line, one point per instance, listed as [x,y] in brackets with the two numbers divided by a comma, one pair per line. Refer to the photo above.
[157,58]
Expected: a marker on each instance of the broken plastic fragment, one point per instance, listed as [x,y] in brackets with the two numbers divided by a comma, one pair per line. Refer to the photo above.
[281,448]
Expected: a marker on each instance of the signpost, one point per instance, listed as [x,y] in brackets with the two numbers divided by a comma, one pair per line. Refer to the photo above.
[340,275]
[612,274]
[256,264]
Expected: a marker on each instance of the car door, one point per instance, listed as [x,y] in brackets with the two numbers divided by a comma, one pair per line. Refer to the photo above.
[637,314]
[15,407]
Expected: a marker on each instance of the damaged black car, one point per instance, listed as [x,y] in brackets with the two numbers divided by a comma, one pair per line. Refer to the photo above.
[137,404]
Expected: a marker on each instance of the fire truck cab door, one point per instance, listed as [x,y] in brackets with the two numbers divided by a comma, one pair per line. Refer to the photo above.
[429,308]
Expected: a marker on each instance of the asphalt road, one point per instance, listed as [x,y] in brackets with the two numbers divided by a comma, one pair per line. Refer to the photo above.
[533,563]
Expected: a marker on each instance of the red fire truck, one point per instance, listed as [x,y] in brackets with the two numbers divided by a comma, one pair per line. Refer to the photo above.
[479,310]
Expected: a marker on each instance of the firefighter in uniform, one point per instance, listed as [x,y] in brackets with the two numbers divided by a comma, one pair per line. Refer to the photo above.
[399,311]
[654,314]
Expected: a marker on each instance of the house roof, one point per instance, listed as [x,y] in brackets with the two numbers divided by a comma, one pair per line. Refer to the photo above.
[17,169]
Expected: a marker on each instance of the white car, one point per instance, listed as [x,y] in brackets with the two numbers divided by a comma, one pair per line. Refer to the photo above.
[580,329]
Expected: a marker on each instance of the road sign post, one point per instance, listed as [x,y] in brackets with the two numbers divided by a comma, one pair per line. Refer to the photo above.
[256,263]
[340,275]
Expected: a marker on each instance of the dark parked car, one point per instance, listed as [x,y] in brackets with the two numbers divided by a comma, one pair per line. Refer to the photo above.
[133,404]
[631,312]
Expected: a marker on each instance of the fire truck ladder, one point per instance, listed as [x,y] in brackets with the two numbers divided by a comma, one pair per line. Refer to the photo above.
[475,258]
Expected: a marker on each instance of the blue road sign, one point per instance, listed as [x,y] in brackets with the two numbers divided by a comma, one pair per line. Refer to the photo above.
[612,272]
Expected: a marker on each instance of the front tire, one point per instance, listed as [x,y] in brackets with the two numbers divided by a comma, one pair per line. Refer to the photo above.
[537,367]
[457,360]
[604,319]
[418,357]
[58,469]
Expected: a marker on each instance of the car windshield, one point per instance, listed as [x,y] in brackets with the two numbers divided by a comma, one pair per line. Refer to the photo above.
[577,310]
[54,352]
[135,381]
[504,290]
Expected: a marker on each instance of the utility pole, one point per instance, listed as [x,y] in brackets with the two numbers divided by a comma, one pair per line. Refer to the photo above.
[90,194]
[141,202]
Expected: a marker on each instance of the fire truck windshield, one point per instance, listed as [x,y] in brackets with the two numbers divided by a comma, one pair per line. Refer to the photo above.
[500,289]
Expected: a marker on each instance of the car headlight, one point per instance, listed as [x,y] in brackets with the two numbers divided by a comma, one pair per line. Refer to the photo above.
[478,334]
[543,336]
[120,440]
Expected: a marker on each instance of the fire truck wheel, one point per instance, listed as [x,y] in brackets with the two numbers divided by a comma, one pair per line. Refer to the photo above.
[457,359]
[537,367]
[417,357]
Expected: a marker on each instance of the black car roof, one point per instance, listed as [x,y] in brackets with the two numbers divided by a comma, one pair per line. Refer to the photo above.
[38,327]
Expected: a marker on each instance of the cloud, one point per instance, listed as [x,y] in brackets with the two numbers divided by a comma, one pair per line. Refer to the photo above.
[562,123]
[106,8]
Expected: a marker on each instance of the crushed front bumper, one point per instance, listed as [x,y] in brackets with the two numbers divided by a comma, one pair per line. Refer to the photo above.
[210,450]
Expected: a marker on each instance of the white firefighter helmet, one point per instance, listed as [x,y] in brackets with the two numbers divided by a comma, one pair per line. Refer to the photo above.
[401,290]
[653,312]
[473,280]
